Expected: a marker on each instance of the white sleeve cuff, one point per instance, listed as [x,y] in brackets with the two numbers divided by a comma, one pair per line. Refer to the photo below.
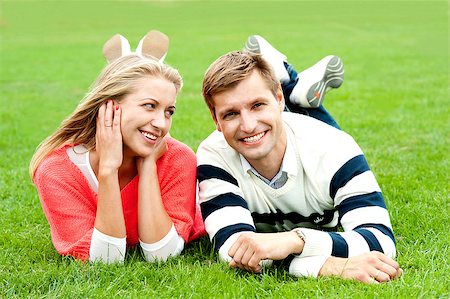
[223,251]
[106,249]
[171,245]
[317,243]
[307,266]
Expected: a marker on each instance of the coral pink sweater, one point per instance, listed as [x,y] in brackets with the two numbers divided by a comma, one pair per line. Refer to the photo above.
[70,204]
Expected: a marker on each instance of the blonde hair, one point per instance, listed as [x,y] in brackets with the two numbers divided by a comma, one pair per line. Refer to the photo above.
[232,68]
[114,82]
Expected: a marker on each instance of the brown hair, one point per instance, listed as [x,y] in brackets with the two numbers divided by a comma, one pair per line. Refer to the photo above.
[232,68]
[115,81]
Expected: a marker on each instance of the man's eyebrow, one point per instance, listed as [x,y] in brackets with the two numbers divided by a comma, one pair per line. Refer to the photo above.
[226,111]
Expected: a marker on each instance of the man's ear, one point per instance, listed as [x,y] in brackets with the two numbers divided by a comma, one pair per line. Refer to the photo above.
[116,47]
[280,97]
[213,115]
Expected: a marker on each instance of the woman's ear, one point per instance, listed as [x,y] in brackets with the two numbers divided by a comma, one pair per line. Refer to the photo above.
[155,44]
[116,47]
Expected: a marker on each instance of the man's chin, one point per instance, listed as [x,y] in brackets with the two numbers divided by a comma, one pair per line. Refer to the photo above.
[253,155]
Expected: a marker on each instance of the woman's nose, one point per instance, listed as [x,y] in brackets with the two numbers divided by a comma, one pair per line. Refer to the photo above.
[159,120]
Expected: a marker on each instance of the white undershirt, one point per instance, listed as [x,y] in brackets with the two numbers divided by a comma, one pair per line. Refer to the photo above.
[108,249]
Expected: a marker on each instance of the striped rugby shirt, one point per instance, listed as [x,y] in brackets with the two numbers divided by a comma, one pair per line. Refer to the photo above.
[332,186]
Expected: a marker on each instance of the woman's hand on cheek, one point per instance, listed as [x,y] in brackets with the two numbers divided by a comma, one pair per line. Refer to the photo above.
[109,137]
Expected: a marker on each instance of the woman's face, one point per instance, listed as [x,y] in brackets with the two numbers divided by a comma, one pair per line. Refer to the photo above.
[146,115]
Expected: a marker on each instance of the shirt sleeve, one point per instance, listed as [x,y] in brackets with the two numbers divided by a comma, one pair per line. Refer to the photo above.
[307,266]
[171,245]
[107,249]
[68,204]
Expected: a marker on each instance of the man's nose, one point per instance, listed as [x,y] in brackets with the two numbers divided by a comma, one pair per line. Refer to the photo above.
[248,122]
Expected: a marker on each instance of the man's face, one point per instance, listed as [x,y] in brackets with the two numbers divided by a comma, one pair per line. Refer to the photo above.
[249,116]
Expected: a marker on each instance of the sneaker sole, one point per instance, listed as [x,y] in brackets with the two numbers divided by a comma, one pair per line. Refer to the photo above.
[256,44]
[332,78]
[252,45]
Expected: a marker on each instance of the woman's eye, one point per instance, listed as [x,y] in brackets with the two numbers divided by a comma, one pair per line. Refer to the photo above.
[149,105]
[169,113]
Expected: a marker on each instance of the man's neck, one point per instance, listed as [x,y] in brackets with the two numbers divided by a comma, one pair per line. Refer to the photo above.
[270,165]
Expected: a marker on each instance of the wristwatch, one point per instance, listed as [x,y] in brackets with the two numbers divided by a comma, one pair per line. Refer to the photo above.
[300,234]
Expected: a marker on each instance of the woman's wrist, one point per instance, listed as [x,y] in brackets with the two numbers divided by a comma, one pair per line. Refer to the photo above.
[105,172]
[147,167]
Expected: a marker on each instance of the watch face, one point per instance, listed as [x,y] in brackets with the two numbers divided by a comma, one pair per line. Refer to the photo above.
[300,234]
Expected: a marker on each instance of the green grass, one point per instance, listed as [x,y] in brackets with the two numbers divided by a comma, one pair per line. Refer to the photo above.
[394,101]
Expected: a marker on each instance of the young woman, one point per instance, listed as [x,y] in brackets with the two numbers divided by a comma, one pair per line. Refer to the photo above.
[110,177]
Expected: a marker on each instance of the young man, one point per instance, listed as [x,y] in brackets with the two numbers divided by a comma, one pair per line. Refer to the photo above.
[273,185]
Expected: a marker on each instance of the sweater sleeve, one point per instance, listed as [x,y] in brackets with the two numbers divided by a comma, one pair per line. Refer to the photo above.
[107,249]
[345,179]
[171,245]
[68,204]
[177,180]
[224,209]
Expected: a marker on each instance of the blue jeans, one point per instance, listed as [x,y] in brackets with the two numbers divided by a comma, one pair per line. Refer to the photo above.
[319,113]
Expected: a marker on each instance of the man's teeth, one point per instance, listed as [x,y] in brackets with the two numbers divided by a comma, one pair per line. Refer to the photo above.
[254,138]
[148,135]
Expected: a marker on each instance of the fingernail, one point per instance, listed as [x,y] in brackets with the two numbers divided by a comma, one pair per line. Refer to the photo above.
[117,107]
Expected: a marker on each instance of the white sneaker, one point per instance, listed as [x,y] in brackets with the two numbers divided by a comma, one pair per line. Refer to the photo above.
[315,81]
[257,45]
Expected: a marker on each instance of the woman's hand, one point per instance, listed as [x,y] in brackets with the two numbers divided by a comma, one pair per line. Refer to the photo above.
[158,151]
[109,217]
[108,137]
[153,221]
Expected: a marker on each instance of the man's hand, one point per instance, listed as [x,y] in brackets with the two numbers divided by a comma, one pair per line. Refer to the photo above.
[373,267]
[251,248]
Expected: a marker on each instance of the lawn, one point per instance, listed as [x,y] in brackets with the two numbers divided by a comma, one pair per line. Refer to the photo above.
[394,101]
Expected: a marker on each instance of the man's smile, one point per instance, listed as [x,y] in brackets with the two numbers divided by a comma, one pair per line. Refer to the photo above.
[254,138]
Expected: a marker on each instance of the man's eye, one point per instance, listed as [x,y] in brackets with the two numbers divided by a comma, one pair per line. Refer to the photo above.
[229,115]
[258,105]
